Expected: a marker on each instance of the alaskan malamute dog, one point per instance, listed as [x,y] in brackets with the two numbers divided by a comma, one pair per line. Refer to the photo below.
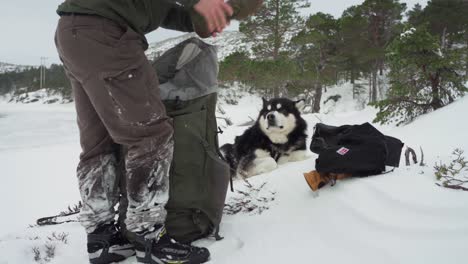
[278,136]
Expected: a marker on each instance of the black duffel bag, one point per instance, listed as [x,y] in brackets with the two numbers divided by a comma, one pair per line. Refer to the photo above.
[359,150]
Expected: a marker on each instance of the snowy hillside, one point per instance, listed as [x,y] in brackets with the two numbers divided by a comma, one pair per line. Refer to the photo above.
[227,42]
[7,67]
[43,96]
[400,217]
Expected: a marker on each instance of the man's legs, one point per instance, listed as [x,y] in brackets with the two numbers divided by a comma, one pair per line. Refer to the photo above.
[101,161]
[98,175]
[121,85]
[122,88]
[127,102]
[99,172]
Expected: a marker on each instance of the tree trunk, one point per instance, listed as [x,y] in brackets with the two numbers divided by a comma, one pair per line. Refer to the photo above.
[382,88]
[444,39]
[374,86]
[277,44]
[317,97]
[436,102]
[466,56]
[381,67]
[354,85]
[276,91]
[284,91]
[354,91]
[337,77]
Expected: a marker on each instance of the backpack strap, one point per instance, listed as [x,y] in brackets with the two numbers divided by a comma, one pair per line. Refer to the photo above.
[233,172]
[390,171]
[216,234]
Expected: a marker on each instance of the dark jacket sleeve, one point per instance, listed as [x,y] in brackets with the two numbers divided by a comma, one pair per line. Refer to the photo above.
[186,4]
[178,19]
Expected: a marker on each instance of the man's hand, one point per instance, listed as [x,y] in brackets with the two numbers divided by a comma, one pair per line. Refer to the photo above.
[244,8]
[216,14]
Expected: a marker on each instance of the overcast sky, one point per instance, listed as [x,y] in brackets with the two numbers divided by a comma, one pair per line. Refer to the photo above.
[28,26]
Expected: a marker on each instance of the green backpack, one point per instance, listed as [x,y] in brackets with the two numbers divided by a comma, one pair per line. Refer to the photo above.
[199,178]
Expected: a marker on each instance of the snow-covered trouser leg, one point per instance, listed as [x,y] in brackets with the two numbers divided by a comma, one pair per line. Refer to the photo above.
[109,63]
[99,170]
[148,184]
[99,191]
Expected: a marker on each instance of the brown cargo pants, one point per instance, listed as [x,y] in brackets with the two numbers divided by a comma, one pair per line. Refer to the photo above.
[118,105]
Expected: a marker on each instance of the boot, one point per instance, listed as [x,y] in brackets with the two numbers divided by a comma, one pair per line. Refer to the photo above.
[157,247]
[107,245]
[317,180]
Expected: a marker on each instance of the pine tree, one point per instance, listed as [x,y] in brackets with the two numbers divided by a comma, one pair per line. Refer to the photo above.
[424,77]
[354,58]
[384,20]
[448,20]
[270,30]
[263,75]
[272,26]
[317,48]
[234,67]
[415,15]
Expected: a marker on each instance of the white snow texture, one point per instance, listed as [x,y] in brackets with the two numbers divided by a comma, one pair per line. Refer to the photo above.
[400,217]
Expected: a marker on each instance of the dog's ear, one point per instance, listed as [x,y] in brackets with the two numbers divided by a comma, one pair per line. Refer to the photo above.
[265,102]
[300,104]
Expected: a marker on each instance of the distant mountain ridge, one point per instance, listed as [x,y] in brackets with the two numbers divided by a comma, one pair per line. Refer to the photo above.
[9,67]
[227,42]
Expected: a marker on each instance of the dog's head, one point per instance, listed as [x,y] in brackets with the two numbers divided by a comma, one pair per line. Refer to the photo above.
[278,118]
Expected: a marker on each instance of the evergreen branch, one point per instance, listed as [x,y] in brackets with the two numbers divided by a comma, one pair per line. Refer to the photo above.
[455,187]
[407,100]
[451,175]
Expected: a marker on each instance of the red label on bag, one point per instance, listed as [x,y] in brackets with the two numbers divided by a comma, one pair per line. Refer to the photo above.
[342,151]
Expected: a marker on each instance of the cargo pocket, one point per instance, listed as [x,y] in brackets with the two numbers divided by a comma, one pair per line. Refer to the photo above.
[134,95]
[188,161]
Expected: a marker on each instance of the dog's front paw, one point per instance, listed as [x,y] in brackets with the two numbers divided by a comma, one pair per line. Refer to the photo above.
[298,155]
[262,165]
[283,159]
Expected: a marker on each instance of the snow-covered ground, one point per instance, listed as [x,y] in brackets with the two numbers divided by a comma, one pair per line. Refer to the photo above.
[400,217]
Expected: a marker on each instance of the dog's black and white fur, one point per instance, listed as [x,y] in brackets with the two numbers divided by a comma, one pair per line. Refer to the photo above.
[278,136]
